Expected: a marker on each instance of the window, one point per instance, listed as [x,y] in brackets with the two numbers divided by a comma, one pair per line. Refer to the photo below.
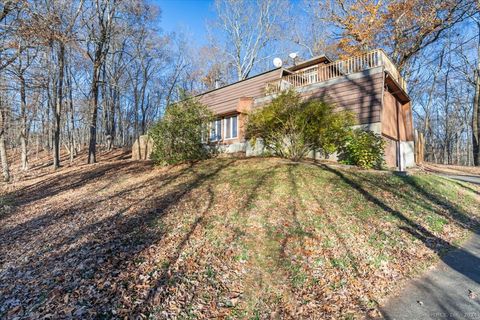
[234,127]
[230,127]
[216,130]
[311,74]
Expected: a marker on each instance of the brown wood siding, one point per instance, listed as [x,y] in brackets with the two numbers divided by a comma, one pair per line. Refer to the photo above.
[225,100]
[389,116]
[362,96]
[392,108]
[390,153]
[408,119]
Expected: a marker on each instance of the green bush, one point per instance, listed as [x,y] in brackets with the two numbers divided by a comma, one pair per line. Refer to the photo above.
[291,128]
[364,149]
[179,135]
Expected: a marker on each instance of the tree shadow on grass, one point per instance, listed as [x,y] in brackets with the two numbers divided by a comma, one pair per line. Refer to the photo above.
[426,199]
[68,183]
[77,178]
[96,257]
[465,185]
[444,295]
[157,290]
[431,241]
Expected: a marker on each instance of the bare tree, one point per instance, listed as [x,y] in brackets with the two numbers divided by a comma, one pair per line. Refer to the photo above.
[476,106]
[99,35]
[249,27]
[24,61]
[3,147]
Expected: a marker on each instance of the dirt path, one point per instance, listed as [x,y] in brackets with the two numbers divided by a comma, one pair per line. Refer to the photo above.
[451,290]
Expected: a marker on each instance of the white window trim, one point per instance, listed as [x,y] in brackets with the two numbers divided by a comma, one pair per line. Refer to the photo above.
[229,118]
[231,126]
[225,128]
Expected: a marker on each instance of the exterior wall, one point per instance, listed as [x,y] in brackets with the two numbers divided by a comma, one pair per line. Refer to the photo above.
[408,121]
[389,116]
[390,152]
[237,144]
[366,94]
[243,108]
[373,126]
[396,118]
[233,147]
[397,125]
[360,93]
[225,100]
[408,153]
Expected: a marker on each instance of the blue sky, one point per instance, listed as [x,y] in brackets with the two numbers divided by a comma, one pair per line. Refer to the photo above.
[188,16]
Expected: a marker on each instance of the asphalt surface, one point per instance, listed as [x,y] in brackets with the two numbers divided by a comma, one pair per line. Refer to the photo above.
[465,178]
[451,290]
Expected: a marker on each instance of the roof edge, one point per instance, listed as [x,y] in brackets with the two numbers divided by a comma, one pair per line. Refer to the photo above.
[233,83]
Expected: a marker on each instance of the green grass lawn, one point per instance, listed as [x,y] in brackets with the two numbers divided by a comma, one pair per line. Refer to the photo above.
[243,238]
[303,239]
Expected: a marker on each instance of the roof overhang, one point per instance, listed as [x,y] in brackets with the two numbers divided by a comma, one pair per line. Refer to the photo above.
[396,88]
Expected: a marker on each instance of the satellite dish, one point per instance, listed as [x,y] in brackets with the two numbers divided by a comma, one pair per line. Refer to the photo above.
[293,55]
[277,62]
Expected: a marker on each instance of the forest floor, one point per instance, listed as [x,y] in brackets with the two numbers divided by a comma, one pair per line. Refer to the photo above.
[224,238]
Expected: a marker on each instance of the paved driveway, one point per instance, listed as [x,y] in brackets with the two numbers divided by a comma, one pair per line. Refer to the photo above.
[449,291]
[465,178]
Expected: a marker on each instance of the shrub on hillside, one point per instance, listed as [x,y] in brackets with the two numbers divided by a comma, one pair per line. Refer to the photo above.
[291,127]
[364,149]
[178,136]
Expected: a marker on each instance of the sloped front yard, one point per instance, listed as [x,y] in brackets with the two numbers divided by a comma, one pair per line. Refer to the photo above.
[228,238]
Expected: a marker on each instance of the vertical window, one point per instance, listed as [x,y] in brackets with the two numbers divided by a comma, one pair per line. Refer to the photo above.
[219,129]
[216,130]
[234,126]
[230,127]
[212,131]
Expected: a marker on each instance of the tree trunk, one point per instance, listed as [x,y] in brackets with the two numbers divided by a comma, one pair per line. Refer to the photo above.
[111,117]
[72,117]
[58,106]
[23,125]
[476,108]
[94,110]
[3,147]
[476,121]
[476,118]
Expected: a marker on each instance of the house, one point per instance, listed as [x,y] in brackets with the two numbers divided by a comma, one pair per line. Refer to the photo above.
[368,85]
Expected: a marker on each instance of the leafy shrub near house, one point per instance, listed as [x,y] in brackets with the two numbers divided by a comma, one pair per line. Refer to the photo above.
[178,136]
[364,149]
[290,127]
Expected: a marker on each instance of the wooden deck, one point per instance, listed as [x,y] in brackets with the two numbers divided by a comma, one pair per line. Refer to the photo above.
[336,69]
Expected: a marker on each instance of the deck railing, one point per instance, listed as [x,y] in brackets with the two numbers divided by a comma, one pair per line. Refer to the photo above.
[339,68]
